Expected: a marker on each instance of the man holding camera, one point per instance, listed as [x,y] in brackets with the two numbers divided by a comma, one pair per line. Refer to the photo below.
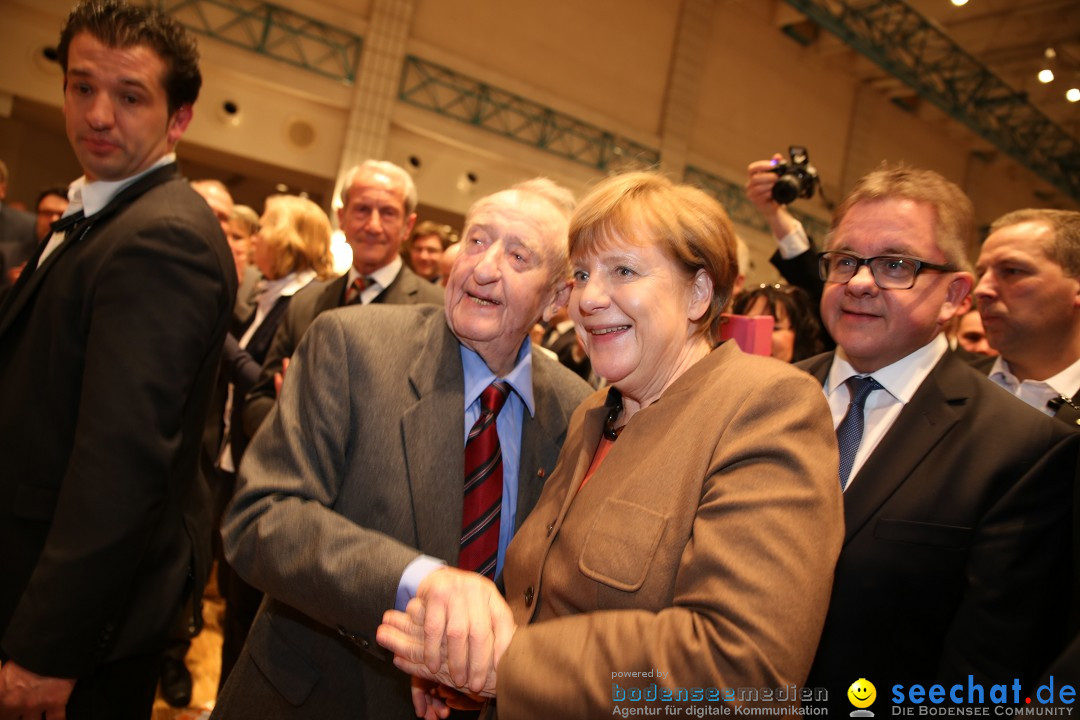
[796,256]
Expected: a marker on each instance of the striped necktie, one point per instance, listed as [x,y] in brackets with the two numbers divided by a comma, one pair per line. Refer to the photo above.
[352,295]
[483,486]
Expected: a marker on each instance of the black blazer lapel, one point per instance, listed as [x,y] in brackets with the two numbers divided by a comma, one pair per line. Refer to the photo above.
[937,406]
[30,281]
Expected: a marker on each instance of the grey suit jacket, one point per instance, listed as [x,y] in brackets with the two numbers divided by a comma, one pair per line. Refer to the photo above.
[17,238]
[357,471]
[956,548]
[408,288]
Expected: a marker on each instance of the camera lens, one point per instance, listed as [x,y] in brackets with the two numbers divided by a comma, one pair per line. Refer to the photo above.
[786,189]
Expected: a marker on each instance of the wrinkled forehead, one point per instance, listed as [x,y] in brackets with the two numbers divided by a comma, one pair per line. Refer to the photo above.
[522,215]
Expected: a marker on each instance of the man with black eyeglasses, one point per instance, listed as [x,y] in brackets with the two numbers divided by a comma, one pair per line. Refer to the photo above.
[955,559]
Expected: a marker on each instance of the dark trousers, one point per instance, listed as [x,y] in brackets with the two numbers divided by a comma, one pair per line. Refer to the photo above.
[119,690]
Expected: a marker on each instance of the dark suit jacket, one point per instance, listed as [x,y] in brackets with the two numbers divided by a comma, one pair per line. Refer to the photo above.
[408,288]
[357,470]
[243,368]
[107,355]
[956,550]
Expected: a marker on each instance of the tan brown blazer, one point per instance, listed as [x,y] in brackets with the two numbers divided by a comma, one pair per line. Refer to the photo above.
[703,546]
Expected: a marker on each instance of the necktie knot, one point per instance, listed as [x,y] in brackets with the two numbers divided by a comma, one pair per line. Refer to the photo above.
[493,397]
[352,296]
[860,388]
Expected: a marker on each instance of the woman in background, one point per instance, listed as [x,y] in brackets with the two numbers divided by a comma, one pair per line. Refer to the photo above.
[291,247]
[796,331]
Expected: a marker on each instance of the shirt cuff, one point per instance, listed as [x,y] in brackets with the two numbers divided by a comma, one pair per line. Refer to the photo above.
[415,572]
[795,243]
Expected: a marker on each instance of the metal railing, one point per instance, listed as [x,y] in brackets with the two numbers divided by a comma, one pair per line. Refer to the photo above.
[272,31]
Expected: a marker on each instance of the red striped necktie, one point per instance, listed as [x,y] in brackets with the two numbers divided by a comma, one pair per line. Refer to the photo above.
[483,486]
[352,295]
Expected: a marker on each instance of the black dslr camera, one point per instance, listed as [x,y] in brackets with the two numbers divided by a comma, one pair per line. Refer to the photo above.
[797,178]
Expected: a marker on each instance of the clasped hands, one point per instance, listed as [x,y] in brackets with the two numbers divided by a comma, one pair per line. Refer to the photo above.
[454,632]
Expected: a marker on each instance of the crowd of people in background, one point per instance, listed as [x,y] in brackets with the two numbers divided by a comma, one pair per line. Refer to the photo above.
[485,470]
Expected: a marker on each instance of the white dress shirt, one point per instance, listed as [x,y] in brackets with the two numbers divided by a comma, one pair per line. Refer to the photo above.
[899,380]
[1037,393]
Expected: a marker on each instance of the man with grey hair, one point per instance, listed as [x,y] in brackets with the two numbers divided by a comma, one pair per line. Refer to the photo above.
[354,493]
[377,214]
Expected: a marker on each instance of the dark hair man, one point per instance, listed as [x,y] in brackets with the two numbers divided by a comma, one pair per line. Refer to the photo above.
[109,343]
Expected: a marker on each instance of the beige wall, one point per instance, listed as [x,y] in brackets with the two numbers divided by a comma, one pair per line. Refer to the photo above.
[607,62]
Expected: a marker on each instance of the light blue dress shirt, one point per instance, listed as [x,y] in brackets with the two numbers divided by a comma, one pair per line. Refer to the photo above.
[508,424]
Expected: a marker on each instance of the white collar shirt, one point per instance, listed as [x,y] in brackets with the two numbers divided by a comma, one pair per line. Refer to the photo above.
[900,382]
[377,281]
[1037,393]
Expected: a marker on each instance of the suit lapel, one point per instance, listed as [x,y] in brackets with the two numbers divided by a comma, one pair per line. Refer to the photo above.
[434,440]
[333,296]
[30,281]
[541,438]
[591,427]
[936,407]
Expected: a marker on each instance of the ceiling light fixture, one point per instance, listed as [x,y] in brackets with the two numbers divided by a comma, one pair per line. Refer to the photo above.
[1072,94]
[959,3]
[1046,75]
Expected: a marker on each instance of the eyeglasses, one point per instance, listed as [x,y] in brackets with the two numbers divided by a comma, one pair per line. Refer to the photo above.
[891,272]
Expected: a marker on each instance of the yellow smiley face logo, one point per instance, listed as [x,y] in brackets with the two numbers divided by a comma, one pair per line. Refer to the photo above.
[862,693]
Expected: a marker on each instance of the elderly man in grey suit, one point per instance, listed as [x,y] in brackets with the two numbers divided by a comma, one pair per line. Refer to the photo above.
[377,214]
[362,481]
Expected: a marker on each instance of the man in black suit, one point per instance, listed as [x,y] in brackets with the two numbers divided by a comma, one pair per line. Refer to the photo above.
[108,347]
[1028,295]
[377,213]
[957,497]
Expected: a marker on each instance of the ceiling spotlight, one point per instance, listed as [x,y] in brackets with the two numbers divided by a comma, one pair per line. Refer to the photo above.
[1072,94]
[959,3]
[1049,54]
[1046,75]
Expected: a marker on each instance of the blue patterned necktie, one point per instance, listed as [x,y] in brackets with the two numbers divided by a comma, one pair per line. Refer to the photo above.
[850,430]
